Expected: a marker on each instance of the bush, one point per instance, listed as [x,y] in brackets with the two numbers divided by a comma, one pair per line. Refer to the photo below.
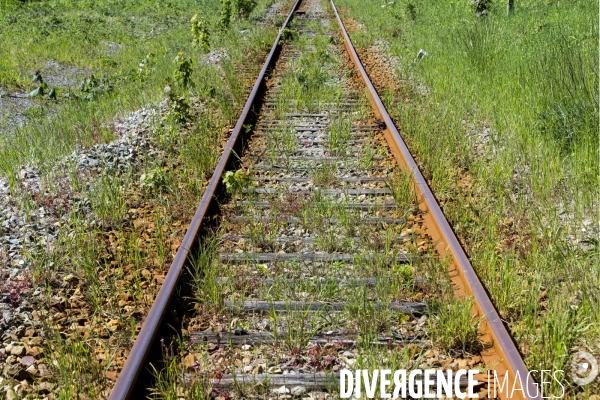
[155,180]
[200,32]
[183,70]
[482,7]
[243,8]
[225,15]
[236,181]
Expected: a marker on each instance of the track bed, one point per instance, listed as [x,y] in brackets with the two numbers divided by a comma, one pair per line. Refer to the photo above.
[318,260]
[321,257]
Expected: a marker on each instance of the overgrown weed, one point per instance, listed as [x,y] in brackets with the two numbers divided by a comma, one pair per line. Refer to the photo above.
[522,195]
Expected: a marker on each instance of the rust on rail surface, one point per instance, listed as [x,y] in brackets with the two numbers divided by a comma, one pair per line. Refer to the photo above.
[503,355]
[126,383]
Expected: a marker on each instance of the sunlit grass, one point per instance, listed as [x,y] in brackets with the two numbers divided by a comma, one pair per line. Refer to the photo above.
[502,114]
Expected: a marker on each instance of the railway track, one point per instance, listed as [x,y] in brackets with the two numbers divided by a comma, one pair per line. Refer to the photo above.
[326,250]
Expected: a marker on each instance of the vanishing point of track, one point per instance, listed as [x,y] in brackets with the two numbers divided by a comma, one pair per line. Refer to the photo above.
[294,162]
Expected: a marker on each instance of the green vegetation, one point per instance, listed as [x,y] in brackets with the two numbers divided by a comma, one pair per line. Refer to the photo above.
[236,181]
[453,329]
[314,222]
[503,115]
[226,13]
[116,54]
[200,31]
[117,228]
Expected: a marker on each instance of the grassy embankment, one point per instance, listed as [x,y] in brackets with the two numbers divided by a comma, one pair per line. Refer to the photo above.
[503,116]
[117,246]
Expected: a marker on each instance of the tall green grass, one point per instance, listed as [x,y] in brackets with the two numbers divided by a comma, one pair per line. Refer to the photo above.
[526,86]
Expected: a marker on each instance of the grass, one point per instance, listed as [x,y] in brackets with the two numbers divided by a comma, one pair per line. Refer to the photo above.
[118,227]
[163,30]
[339,134]
[502,114]
[454,329]
[401,184]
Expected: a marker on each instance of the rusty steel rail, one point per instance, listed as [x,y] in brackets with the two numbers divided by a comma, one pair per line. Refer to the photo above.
[503,353]
[125,386]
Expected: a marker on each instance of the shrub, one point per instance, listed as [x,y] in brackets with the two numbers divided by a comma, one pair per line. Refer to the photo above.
[482,7]
[243,8]
[155,180]
[225,15]
[236,181]
[200,32]
[179,110]
[183,70]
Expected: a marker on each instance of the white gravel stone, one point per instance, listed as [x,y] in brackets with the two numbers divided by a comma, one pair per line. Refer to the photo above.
[298,391]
